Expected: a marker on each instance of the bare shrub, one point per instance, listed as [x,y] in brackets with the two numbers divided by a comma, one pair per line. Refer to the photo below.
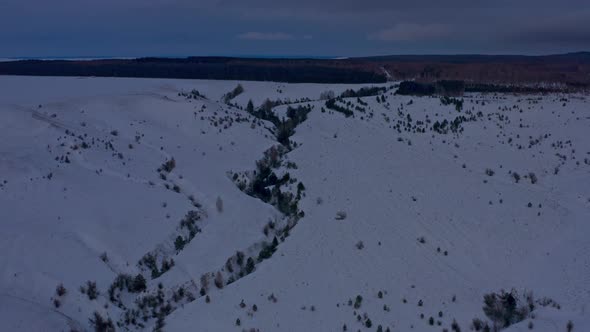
[503,309]
[516,177]
[104,257]
[60,290]
[101,324]
[219,280]
[478,324]
[205,282]
[169,165]
[533,178]
[329,94]
[219,204]
[91,290]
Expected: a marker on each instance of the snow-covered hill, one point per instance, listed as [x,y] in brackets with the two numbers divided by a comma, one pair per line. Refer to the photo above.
[175,205]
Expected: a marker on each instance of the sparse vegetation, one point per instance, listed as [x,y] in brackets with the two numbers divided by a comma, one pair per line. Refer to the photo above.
[90,290]
[331,104]
[533,178]
[219,283]
[340,215]
[516,177]
[104,257]
[101,324]
[505,308]
[358,301]
[239,89]
[168,166]
[219,204]
[60,290]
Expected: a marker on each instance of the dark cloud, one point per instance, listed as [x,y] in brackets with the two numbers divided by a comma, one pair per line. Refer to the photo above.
[412,32]
[567,29]
[338,27]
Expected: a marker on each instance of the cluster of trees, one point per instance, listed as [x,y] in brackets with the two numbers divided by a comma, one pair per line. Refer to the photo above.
[363,92]
[505,308]
[452,101]
[411,88]
[331,104]
[286,127]
[445,87]
[239,89]
[266,185]
[194,94]
[264,112]
[126,282]
[265,178]
[453,126]
[150,260]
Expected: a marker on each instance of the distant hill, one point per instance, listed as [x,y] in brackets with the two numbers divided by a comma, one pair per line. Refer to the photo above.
[571,69]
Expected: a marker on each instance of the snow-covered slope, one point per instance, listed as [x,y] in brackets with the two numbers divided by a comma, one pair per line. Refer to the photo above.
[436,216]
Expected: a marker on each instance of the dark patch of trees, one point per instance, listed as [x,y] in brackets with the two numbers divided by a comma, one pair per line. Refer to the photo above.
[217,68]
[411,88]
[457,102]
[239,89]
[331,104]
[363,92]
[444,87]
[498,88]
[450,87]
[286,127]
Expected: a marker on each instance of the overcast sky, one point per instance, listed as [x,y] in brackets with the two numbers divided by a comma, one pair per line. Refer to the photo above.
[44,28]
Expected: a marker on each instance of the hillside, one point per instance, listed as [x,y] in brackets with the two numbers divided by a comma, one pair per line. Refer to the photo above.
[176,205]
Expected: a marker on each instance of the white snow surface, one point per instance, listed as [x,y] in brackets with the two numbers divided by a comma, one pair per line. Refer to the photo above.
[57,217]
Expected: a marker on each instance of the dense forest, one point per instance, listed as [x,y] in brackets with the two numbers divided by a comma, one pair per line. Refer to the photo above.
[280,70]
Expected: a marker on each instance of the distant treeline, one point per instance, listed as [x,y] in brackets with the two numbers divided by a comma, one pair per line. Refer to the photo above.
[478,87]
[281,70]
[481,73]
[457,88]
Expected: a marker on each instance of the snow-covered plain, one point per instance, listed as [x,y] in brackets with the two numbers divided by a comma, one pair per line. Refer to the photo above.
[434,220]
